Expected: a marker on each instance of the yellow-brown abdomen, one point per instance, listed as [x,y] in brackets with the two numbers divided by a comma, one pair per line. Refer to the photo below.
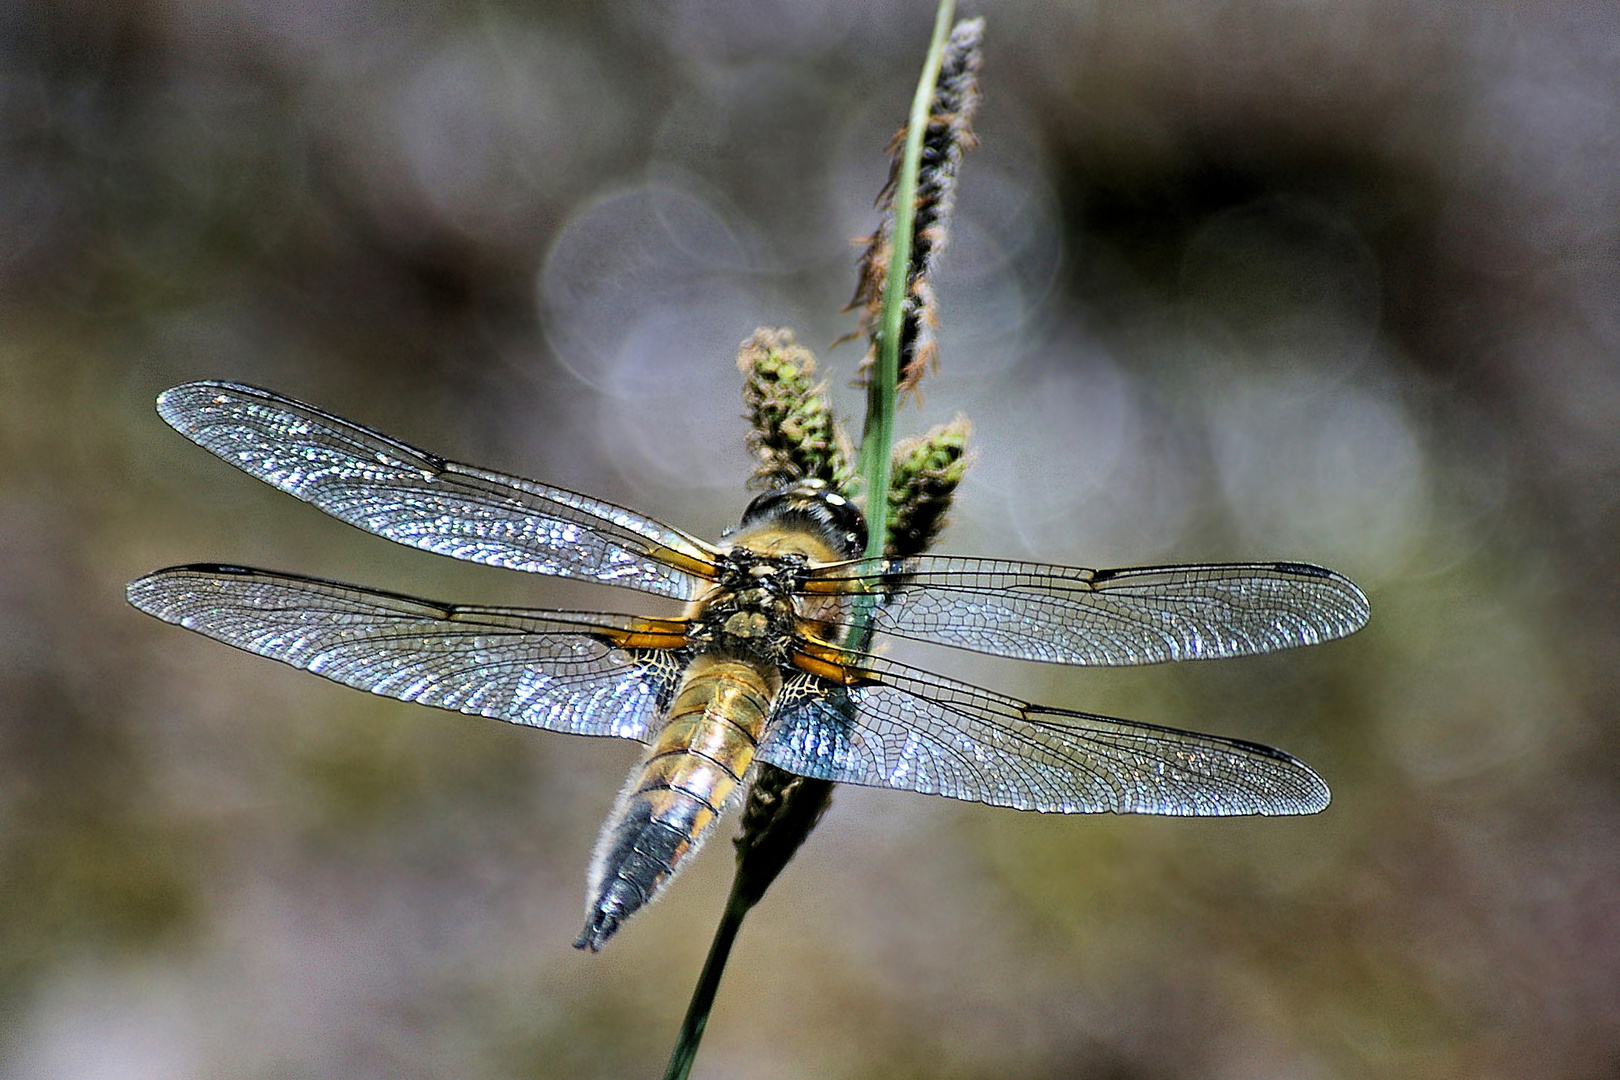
[673,798]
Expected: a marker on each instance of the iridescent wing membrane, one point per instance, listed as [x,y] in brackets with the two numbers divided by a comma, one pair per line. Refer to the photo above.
[919,731]
[575,672]
[885,725]
[1072,615]
[415,498]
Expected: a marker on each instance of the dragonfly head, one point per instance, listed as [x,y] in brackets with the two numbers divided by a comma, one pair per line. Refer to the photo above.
[809,506]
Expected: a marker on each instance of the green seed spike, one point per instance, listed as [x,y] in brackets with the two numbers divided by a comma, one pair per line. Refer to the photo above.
[927,470]
[791,428]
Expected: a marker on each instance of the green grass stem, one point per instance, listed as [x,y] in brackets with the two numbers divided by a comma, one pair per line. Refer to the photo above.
[877,437]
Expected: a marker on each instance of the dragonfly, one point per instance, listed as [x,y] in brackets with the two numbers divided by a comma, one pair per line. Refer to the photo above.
[769,659]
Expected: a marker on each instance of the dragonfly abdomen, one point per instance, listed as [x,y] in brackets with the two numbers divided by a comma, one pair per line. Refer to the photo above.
[690,772]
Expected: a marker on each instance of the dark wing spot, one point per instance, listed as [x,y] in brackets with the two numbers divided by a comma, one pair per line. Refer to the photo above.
[1302,569]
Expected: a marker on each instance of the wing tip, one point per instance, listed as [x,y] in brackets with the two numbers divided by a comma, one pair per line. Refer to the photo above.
[136,592]
[1358,608]
[148,594]
[1315,798]
[170,401]
[1313,795]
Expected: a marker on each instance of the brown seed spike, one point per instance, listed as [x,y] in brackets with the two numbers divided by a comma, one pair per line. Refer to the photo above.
[949,135]
[781,810]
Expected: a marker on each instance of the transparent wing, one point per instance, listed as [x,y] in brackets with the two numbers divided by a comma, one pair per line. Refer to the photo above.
[410,496]
[560,671]
[920,732]
[1071,615]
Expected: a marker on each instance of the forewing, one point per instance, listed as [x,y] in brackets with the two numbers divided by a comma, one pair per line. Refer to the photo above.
[920,732]
[410,496]
[1072,615]
[555,670]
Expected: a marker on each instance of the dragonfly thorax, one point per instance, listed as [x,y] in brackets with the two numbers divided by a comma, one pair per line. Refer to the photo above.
[752,611]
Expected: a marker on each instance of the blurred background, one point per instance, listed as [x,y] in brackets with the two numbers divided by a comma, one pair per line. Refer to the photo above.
[1268,279]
